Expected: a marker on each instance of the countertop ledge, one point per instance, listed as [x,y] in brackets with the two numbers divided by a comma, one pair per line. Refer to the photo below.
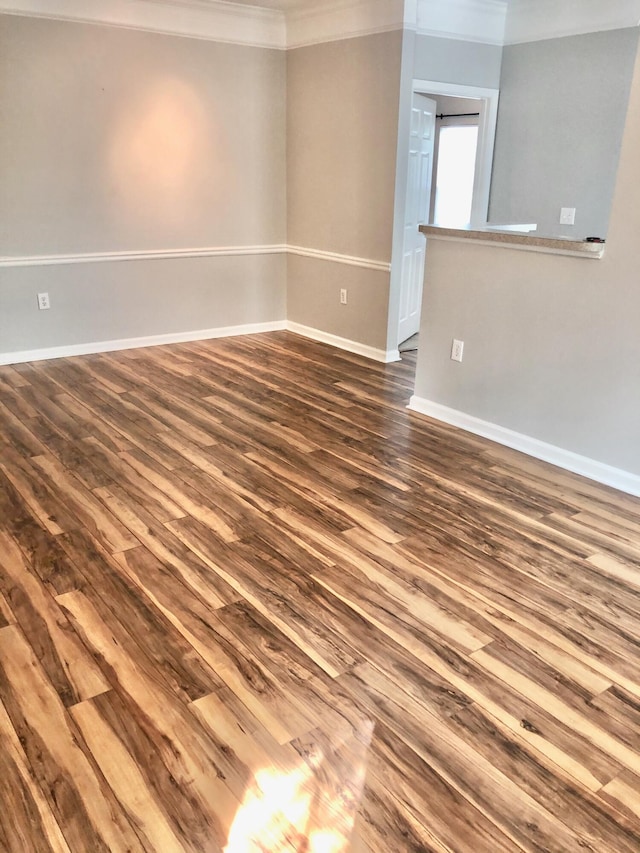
[513,240]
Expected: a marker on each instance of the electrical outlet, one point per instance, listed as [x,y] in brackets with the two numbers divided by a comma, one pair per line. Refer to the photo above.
[343,296]
[43,301]
[457,350]
[567,216]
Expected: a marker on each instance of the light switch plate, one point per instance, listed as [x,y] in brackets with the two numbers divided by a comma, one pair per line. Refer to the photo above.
[567,216]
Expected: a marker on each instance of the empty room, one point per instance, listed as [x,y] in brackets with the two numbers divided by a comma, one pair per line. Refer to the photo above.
[319,426]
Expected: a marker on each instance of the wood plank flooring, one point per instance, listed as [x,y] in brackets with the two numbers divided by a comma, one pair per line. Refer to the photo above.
[248,602]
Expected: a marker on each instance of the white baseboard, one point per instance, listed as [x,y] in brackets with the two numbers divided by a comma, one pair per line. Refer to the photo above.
[385,356]
[137,343]
[200,335]
[566,459]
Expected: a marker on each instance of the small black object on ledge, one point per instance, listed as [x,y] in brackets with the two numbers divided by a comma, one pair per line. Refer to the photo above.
[594,240]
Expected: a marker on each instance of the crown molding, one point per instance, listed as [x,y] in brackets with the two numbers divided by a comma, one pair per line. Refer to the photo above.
[536,20]
[465,20]
[485,21]
[332,21]
[213,20]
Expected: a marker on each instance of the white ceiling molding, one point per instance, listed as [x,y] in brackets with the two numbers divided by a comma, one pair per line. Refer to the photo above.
[341,20]
[210,19]
[486,21]
[466,20]
[535,20]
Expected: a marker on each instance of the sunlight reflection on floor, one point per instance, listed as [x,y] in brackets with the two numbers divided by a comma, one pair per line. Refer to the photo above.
[311,809]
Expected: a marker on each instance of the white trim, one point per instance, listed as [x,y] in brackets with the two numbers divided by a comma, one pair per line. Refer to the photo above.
[344,343]
[137,343]
[204,252]
[150,255]
[566,459]
[485,21]
[214,20]
[349,260]
[343,19]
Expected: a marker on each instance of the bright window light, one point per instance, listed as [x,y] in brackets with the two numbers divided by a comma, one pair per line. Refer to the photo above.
[454,180]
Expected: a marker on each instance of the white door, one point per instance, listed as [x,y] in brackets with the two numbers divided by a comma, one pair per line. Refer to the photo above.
[423,124]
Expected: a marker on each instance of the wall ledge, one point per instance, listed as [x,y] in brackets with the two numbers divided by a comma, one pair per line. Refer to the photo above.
[503,239]
[624,481]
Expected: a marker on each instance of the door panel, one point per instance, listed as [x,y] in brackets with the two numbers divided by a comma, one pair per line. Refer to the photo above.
[423,122]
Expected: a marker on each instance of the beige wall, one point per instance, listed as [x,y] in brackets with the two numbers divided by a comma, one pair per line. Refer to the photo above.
[343,101]
[116,140]
[342,128]
[97,303]
[313,299]
[552,348]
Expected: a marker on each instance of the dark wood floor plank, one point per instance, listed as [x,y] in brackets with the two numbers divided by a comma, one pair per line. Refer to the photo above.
[552,615]
[433,802]
[27,820]
[182,494]
[170,549]
[74,788]
[84,507]
[528,824]
[36,493]
[521,713]
[126,780]
[117,470]
[69,667]
[16,433]
[117,600]
[224,469]
[290,599]
[195,761]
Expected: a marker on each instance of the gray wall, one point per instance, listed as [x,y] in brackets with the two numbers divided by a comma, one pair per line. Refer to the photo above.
[117,140]
[561,117]
[453,61]
[343,102]
[551,343]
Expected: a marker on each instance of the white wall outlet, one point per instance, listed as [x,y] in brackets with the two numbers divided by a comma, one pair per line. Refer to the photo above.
[343,296]
[567,216]
[43,301]
[457,350]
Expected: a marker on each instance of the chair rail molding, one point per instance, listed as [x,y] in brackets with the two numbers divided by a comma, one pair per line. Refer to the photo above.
[202,252]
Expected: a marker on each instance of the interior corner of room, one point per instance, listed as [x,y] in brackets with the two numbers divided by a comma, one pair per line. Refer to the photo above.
[241,173]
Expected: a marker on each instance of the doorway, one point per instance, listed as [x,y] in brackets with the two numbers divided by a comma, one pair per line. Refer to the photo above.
[437,151]
[454,161]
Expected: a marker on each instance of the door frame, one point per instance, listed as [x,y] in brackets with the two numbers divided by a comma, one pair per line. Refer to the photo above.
[481,186]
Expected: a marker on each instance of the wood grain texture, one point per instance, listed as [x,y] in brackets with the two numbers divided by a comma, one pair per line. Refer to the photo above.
[249,602]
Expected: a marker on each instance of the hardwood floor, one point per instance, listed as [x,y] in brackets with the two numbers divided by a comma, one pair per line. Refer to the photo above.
[248,602]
